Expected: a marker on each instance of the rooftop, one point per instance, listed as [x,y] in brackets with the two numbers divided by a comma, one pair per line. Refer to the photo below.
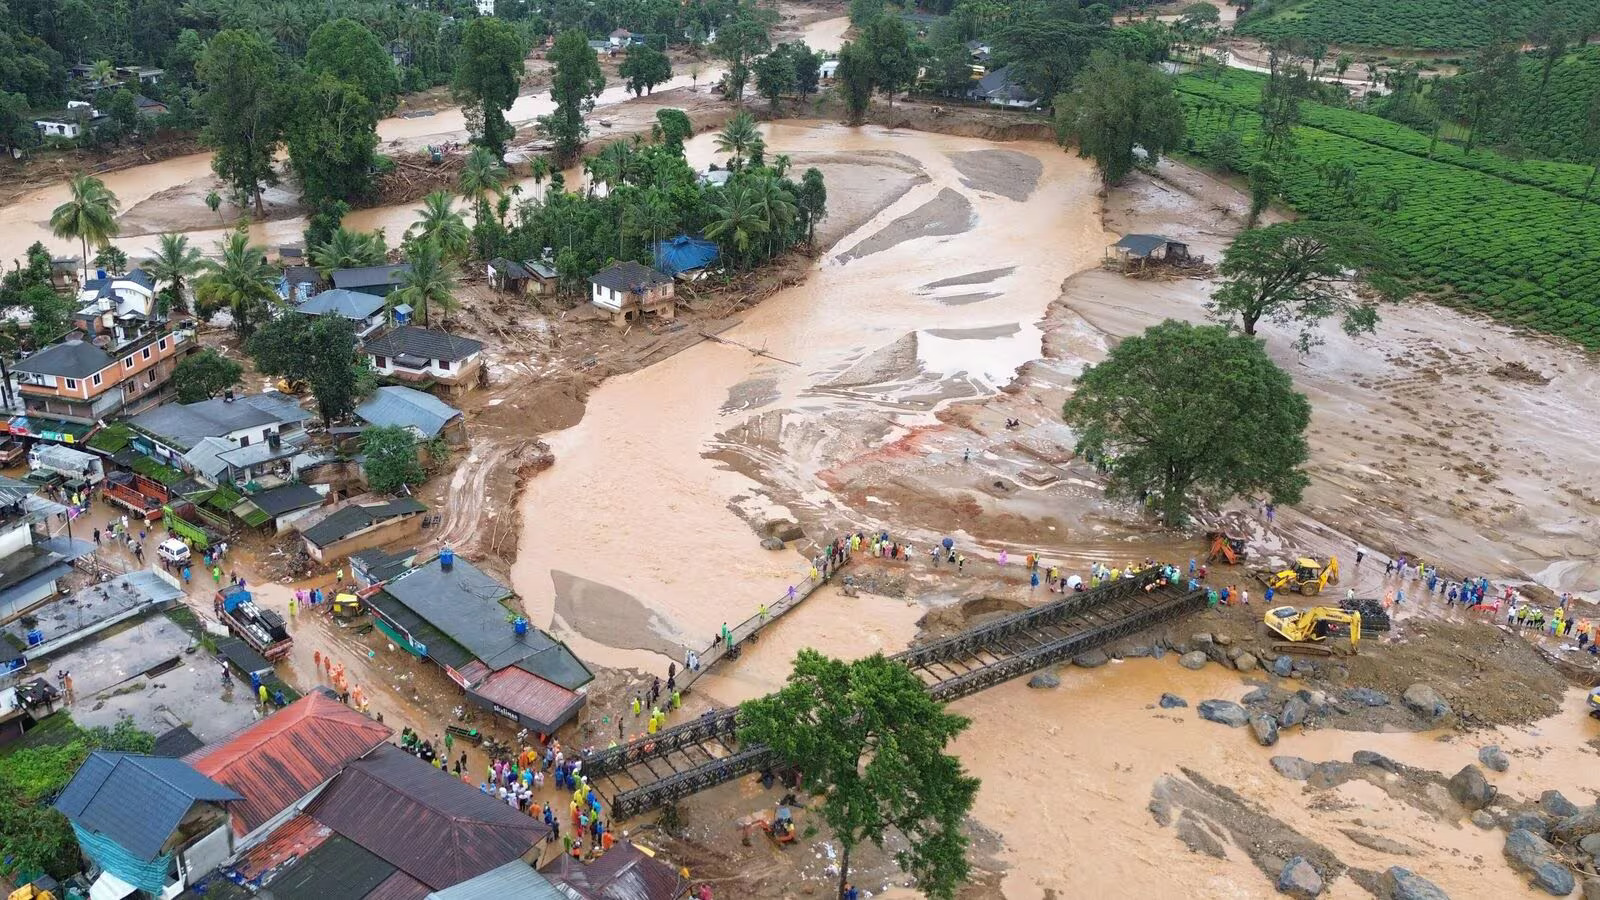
[426,343]
[515,879]
[286,499]
[183,425]
[278,760]
[344,522]
[629,276]
[683,253]
[135,800]
[369,276]
[1141,244]
[407,408]
[998,85]
[507,268]
[429,825]
[349,304]
[625,872]
[68,359]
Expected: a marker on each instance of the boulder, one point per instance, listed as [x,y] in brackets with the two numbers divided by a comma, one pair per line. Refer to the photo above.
[1224,712]
[1158,651]
[1590,844]
[1245,662]
[1532,854]
[1425,702]
[771,543]
[785,529]
[1299,878]
[1044,680]
[1282,666]
[1554,878]
[1317,700]
[1530,821]
[1223,639]
[1172,701]
[1265,728]
[1553,803]
[1494,758]
[1367,697]
[1137,651]
[1093,659]
[1259,695]
[1194,659]
[1471,789]
[1398,883]
[1377,760]
[1200,639]
[1575,828]
[1294,713]
[1483,819]
[1293,767]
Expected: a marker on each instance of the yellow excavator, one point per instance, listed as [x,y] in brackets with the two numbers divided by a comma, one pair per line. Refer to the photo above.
[1305,631]
[1308,576]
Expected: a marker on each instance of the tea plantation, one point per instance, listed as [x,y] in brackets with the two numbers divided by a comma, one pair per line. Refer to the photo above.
[1515,240]
[1420,24]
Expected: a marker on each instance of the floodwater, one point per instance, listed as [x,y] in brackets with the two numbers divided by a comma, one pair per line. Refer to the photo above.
[27,220]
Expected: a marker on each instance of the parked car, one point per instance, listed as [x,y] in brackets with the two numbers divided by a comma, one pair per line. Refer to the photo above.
[173,551]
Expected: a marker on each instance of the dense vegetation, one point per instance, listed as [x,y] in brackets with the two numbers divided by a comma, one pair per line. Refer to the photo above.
[1547,107]
[1420,24]
[1477,229]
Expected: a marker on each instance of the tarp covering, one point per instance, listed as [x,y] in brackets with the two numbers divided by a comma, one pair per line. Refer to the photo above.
[683,253]
[146,875]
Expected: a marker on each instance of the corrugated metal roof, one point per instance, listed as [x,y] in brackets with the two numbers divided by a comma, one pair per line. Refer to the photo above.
[429,825]
[136,801]
[683,253]
[369,276]
[426,343]
[342,523]
[530,695]
[515,879]
[622,873]
[278,760]
[334,870]
[340,302]
[286,498]
[399,886]
[174,742]
[292,840]
[407,408]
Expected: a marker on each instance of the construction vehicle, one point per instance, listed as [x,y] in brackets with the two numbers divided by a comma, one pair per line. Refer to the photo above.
[1594,702]
[780,828]
[291,385]
[1307,630]
[1227,547]
[1307,576]
[262,629]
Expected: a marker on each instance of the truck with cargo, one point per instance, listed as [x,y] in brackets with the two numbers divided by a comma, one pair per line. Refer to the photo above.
[71,464]
[262,629]
[186,520]
[142,497]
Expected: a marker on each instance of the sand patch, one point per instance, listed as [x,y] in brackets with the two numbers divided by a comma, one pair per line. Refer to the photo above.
[610,616]
[947,213]
[1008,173]
[984,277]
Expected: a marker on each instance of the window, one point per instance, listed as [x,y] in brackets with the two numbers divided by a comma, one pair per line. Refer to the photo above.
[444,364]
[72,384]
[162,344]
[127,363]
[95,380]
[145,353]
[379,362]
[150,377]
[244,440]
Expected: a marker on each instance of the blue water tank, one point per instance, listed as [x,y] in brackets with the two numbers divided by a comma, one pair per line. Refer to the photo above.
[35,638]
[447,558]
[100,273]
[520,626]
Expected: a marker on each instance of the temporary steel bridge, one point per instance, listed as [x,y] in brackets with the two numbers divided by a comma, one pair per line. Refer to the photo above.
[689,758]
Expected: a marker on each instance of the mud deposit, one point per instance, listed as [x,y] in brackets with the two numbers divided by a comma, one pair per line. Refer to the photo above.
[946,214]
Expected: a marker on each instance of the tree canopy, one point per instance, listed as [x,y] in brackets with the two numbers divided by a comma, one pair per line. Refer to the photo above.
[644,68]
[241,77]
[391,454]
[203,375]
[868,738]
[1115,106]
[1183,413]
[350,52]
[319,350]
[578,80]
[488,75]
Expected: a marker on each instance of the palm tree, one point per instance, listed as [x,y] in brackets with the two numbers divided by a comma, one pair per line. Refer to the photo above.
[430,282]
[650,218]
[214,201]
[540,170]
[736,137]
[102,72]
[90,215]
[738,220]
[242,281]
[623,162]
[777,206]
[174,262]
[441,225]
[482,176]
[346,249]
[781,164]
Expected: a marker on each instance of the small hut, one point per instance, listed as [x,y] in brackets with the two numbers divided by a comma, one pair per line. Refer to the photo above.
[1136,251]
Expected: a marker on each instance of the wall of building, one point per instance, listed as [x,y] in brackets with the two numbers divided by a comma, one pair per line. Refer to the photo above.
[376,536]
[384,365]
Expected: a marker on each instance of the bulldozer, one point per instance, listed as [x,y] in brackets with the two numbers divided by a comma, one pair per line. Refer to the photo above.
[1307,576]
[1307,630]
[1225,546]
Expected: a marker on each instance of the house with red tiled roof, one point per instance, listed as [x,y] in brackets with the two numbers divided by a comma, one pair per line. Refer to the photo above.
[280,764]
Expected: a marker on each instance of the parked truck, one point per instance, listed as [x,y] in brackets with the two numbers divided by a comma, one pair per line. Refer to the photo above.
[11,452]
[188,521]
[67,462]
[142,497]
[262,629]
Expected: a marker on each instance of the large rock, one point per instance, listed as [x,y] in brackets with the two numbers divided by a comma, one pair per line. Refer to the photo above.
[1483,819]
[1553,803]
[1136,651]
[784,529]
[1573,829]
[1367,697]
[1245,662]
[1258,695]
[1294,713]
[1425,702]
[1265,728]
[771,543]
[1317,700]
[1224,712]
[1194,659]
[1092,659]
[1532,854]
[1530,821]
[1494,758]
[1223,639]
[1044,680]
[1299,878]
[1200,639]
[1397,883]
[1471,789]
[1172,701]
[1293,767]
[1590,844]
[1282,666]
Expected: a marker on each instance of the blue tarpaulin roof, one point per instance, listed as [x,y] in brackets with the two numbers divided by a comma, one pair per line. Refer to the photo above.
[683,253]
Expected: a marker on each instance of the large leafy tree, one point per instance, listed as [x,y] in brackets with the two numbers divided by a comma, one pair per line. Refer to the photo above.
[488,73]
[332,138]
[812,201]
[350,52]
[89,215]
[1046,45]
[429,285]
[578,80]
[441,225]
[775,76]
[204,375]
[1116,105]
[858,78]
[675,127]
[745,35]
[51,314]
[1185,412]
[894,64]
[867,737]
[241,281]
[173,264]
[644,68]
[244,118]
[1299,273]
[391,458]
[319,350]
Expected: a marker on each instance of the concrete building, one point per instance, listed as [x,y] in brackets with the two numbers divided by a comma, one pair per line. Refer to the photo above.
[628,290]
[426,357]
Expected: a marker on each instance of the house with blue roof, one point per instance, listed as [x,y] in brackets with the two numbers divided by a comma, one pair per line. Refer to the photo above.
[684,255]
[148,823]
[419,412]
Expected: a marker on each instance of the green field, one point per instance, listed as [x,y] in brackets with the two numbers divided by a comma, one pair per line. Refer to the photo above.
[1419,24]
[1549,121]
[1512,239]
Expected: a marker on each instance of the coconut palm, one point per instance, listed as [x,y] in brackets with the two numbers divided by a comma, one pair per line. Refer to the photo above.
[738,220]
[482,176]
[346,249]
[540,170]
[102,72]
[779,210]
[241,280]
[736,137]
[430,283]
[441,225]
[651,218]
[90,215]
[622,161]
[173,263]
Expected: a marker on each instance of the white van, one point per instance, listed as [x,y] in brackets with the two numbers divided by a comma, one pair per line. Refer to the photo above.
[173,551]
